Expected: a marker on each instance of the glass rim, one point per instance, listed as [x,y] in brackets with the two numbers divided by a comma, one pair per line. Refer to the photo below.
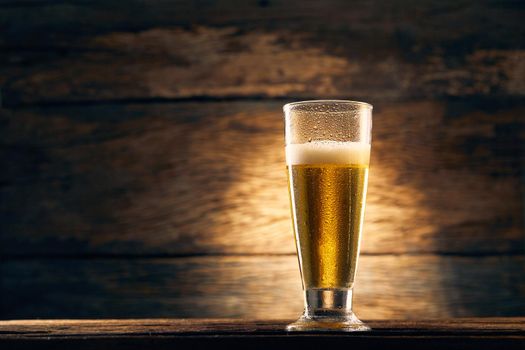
[348,102]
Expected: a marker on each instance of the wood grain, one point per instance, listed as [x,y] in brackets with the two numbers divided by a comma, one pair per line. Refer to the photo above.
[172,50]
[208,178]
[488,333]
[171,326]
[263,287]
[105,160]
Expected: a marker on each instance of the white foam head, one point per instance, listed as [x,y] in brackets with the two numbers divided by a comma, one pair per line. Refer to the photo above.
[328,152]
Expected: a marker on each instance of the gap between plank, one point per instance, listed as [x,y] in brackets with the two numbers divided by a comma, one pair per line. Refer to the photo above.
[100,256]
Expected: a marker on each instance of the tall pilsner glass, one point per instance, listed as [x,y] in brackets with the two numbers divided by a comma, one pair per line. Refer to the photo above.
[327,157]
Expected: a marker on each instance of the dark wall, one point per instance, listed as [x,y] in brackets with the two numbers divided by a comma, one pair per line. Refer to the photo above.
[143,168]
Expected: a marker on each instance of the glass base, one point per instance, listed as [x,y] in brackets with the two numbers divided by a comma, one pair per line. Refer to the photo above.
[328,310]
[349,323]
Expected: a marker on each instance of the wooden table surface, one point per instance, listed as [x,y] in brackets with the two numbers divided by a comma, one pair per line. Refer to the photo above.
[467,333]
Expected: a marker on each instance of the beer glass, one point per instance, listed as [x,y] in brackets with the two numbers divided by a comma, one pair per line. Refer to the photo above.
[327,157]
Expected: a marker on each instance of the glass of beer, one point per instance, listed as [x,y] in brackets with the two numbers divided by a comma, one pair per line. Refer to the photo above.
[327,157]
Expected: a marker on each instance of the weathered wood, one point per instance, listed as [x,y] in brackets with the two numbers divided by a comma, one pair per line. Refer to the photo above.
[55,52]
[260,287]
[488,333]
[179,179]
[168,326]
[193,178]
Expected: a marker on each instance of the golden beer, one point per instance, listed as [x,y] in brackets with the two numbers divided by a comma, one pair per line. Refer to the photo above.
[328,201]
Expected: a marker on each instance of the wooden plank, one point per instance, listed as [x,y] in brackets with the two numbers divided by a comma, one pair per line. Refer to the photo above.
[171,326]
[165,49]
[262,287]
[208,178]
[304,341]
[487,333]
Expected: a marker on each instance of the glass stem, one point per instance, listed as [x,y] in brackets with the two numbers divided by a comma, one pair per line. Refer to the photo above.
[328,303]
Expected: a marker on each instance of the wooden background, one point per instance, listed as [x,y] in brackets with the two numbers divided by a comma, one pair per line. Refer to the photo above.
[142,168]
